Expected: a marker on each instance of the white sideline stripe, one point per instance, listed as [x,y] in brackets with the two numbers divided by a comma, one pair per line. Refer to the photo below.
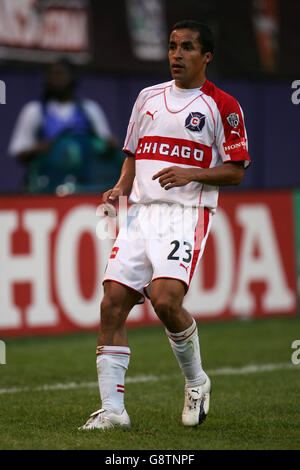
[250,369]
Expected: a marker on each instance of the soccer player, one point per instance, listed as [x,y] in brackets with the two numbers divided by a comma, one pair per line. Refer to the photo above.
[185,138]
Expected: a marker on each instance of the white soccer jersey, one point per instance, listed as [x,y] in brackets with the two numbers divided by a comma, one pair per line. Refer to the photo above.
[200,128]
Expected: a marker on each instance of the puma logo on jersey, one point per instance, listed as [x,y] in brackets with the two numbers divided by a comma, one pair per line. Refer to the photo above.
[150,114]
[185,267]
[235,132]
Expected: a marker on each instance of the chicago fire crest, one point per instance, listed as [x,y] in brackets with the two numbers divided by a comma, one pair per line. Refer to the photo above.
[195,122]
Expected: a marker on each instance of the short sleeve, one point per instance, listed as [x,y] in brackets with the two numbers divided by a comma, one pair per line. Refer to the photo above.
[131,139]
[231,135]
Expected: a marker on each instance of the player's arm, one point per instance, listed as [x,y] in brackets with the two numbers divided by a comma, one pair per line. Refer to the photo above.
[124,185]
[230,173]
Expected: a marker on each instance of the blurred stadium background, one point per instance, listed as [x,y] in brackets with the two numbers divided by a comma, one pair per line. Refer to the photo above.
[51,260]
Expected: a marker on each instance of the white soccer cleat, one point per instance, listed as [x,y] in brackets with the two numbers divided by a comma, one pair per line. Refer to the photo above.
[103,419]
[196,404]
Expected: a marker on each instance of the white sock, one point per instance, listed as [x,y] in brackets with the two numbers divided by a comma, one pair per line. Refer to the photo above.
[112,363]
[186,348]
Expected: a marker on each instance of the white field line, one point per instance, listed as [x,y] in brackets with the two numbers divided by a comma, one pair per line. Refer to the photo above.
[250,369]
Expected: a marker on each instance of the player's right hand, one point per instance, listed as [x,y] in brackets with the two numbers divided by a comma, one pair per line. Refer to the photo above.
[111,196]
[110,201]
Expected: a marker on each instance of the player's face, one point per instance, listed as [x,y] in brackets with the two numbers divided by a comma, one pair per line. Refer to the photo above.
[187,63]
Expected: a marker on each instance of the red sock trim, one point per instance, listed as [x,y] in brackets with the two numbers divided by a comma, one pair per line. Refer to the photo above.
[179,339]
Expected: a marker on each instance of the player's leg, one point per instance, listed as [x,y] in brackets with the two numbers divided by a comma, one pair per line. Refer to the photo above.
[113,356]
[116,304]
[166,297]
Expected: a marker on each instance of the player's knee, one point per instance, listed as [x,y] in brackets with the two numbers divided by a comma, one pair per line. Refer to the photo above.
[165,308]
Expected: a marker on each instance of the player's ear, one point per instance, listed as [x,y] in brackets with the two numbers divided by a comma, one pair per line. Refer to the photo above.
[208,57]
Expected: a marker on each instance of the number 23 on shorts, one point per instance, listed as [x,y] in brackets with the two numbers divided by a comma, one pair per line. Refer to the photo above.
[188,251]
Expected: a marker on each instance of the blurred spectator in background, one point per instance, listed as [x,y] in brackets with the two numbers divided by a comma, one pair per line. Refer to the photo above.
[65,142]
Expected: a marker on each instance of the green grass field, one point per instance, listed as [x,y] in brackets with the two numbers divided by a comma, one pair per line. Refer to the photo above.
[49,387]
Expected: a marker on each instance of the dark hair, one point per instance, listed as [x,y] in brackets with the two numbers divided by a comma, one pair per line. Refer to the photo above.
[205,37]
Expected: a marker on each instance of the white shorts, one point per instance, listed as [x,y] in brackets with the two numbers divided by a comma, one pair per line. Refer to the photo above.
[158,240]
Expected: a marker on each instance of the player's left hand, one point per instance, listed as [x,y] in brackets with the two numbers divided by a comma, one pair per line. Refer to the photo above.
[173,176]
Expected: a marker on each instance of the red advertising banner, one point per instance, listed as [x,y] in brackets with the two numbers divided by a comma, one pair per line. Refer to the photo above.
[52,260]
